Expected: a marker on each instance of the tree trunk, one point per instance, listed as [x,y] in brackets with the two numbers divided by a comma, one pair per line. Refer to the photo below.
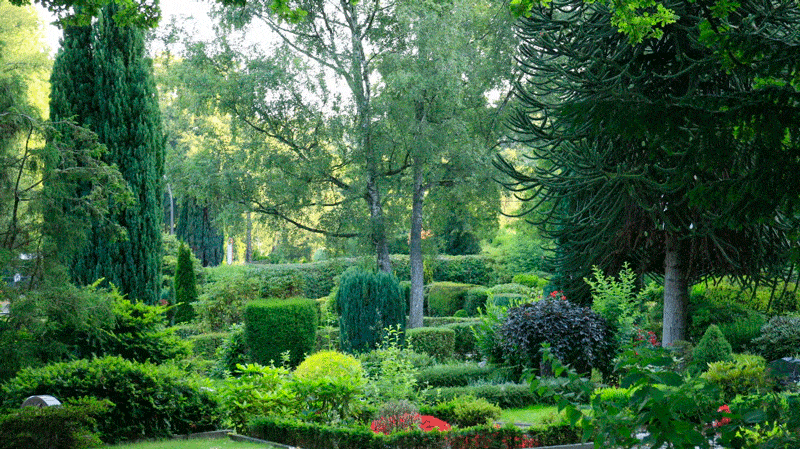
[415,252]
[248,250]
[378,229]
[676,291]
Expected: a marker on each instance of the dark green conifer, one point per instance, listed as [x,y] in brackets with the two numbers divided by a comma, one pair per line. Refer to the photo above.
[196,227]
[367,304]
[185,286]
[115,95]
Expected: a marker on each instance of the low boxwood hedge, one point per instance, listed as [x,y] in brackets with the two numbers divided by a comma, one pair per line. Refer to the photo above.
[317,436]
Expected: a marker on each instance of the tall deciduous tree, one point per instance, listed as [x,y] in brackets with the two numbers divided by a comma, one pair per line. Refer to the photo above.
[123,110]
[321,169]
[679,153]
[448,57]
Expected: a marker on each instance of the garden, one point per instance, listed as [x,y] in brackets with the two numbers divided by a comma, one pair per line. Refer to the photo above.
[318,356]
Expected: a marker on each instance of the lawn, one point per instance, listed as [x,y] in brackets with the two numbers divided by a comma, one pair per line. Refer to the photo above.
[216,443]
[533,415]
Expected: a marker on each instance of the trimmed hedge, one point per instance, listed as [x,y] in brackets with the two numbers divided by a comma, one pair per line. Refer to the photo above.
[278,325]
[474,299]
[150,401]
[317,436]
[507,395]
[465,343]
[445,298]
[206,345]
[459,375]
[439,321]
[437,342]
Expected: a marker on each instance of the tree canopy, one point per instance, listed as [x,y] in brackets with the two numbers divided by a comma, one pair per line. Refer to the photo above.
[678,153]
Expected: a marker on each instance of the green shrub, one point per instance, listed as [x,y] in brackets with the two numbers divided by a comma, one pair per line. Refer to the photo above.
[474,299]
[150,401]
[392,373]
[206,345]
[441,321]
[465,345]
[231,353]
[257,390]
[465,411]
[224,295]
[745,374]
[437,342]
[741,332]
[278,325]
[576,335]
[616,301]
[185,285]
[329,385]
[468,269]
[461,313]
[512,289]
[367,304]
[713,347]
[456,375]
[504,395]
[70,426]
[445,298]
[612,394]
[780,337]
[532,281]
[507,299]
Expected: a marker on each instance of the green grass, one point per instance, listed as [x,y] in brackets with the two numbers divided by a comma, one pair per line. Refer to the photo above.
[216,443]
[533,415]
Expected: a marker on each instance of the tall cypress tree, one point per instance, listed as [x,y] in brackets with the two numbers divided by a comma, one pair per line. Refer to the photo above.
[116,96]
[196,227]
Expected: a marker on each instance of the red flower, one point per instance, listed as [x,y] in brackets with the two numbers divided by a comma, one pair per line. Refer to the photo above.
[429,423]
[724,420]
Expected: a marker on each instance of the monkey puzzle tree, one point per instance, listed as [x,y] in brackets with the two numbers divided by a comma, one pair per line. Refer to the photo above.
[678,153]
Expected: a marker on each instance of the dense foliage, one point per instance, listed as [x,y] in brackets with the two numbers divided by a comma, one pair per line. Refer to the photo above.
[368,303]
[577,335]
[149,401]
[112,91]
[275,326]
[185,286]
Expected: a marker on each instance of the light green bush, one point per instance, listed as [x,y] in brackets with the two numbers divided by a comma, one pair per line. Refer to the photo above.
[445,298]
[713,347]
[437,342]
[745,374]
[329,386]
[257,390]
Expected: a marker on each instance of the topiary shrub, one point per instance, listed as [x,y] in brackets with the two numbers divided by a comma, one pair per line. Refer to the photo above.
[329,386]
[505,395]
[437,342]
[207,345]
[530,280]
[368,303]
[70,426]
[474,299]
[713,347]
[780,337]
[465,345]
[445,298]
[275,326]
[576,335]
[745,374]
[149,401]
[185,286]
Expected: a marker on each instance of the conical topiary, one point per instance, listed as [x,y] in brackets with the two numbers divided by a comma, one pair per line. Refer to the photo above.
[713,347]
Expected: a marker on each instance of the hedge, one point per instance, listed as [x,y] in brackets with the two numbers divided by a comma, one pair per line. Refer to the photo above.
[445,298]
[507,395]
[437,342]
[278,325]
[454,375]
[317,436]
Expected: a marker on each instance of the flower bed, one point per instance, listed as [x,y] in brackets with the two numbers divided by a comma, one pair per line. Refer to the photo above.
[317,436]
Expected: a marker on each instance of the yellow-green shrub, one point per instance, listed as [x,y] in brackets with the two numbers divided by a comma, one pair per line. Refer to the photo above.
[328,385]
[745,374]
